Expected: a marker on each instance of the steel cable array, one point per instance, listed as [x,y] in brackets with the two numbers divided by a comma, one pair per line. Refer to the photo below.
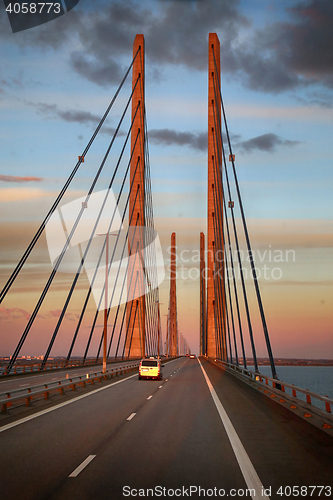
[222,317]
[151,313]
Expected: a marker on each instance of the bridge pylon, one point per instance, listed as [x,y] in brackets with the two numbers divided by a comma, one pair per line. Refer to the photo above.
[202,296]
[173,325]
[215,334]
[136,281]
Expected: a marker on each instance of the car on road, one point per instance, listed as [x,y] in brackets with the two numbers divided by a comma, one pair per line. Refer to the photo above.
[150,368]
[192,356]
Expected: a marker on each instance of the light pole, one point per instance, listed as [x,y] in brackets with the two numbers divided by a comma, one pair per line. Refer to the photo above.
[106,307]
[158,327]
[182,344]
[167,336]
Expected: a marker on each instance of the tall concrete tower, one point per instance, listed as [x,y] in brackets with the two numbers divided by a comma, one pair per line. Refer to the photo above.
[215,262]
[202,295]
[136,284]
[173,327]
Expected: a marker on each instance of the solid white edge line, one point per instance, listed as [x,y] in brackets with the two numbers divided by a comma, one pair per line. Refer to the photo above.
[132,415]
[48,410]
[84,464]
[249,473]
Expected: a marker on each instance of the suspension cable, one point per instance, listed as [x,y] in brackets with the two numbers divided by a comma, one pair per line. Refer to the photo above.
[33,242]
[253,269]
[60,257]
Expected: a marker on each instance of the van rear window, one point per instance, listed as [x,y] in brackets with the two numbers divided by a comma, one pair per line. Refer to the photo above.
[149,363]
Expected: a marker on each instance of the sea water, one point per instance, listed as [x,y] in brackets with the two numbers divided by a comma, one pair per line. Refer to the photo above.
[318,379]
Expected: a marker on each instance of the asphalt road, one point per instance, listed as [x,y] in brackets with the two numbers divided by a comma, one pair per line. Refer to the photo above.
[168,434]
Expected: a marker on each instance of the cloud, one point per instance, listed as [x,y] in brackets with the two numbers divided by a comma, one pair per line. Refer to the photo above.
[69,115]
[288,55]
[280,56]
[11,82]
[78,116]
[317,98]
[112,30]
[102,73]
[312,38]
[169,137]
[56,313]
[15,178]
[8,315]
[175,33]
[266,142]
[73,116]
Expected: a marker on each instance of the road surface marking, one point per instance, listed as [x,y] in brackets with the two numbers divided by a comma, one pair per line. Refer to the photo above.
[82,466]
[112,365]
[160,387]
[48,410]
[149,397]
[249,473]
[131,416]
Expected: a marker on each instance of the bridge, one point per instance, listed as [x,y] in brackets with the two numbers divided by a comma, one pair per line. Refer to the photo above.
[85,427]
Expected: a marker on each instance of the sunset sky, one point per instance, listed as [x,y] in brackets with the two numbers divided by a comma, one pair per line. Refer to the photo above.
[57,79]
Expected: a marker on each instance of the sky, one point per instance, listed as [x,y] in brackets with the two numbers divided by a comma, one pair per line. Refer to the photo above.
[56,80]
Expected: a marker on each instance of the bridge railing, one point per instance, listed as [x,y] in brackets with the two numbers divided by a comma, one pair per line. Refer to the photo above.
[277,384]
[28,394]
[58,365]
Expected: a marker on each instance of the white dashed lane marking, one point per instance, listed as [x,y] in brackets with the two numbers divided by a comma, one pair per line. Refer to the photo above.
[149,397]
[131,416]
[84,464]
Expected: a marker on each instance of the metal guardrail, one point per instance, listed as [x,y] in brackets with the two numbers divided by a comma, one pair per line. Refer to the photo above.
[277,384]
[55,365]
[28,394]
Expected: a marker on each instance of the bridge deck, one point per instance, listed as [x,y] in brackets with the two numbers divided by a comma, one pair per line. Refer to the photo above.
[14,382]
[175,439]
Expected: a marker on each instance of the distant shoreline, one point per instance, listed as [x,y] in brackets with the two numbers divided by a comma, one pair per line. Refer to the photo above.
[289,362]
[249,361]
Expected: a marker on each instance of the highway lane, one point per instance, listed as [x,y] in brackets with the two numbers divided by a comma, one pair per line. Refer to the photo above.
[144,434]
[167,442]
[284,449]
[22,381]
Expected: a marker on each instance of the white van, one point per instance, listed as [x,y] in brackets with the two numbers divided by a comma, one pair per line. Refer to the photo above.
[150,368]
